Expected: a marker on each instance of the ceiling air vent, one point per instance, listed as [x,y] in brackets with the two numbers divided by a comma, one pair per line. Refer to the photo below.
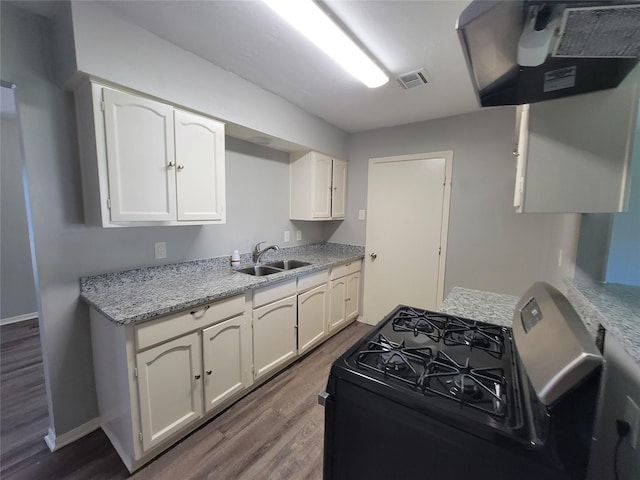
[413,79]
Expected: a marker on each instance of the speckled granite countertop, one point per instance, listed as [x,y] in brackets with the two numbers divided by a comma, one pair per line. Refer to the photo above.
[145,293]
[478,305]
[616,307]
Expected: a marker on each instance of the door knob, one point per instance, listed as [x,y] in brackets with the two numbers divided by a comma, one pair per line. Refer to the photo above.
[373,256]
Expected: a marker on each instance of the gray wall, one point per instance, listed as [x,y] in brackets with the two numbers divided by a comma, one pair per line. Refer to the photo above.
[67,249]
[593,246]
[17,290]
[490,247]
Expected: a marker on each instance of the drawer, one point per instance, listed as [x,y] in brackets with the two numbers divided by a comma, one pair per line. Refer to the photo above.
[157,331]
[264,295]
[312,280]
[345,269]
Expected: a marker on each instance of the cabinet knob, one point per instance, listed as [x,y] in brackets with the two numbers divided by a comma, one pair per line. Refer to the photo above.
[209,372]
[180,167]
[171,164]
[197,377]
[373,256]
[347,300]
[206,307]
[515,152]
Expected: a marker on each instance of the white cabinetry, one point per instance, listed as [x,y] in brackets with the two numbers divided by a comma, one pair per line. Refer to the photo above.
[157,380]
[573,153]
[344,292]
[274,327]
[313,310]
[145,162]
[170,388]
[317,187]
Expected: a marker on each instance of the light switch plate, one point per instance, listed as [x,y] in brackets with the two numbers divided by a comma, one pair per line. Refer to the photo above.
[360,214]
[298,235]
[287,236]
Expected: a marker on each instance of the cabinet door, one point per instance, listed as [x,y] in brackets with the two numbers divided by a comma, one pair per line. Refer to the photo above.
[225,361]
[339,184]
[312,317]
[140,158]
[200,166]
[321,186]
[352,302]
[170,388]
[337,297]
[274,335]
[574,152]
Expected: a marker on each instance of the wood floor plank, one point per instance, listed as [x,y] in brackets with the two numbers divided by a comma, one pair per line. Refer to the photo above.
[275,432]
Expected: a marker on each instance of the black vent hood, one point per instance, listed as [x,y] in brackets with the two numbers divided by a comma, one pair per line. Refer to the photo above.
[593,46]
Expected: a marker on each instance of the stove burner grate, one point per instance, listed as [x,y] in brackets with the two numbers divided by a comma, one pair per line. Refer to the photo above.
[395,359]
[489,338]
[419,322]
[481,388]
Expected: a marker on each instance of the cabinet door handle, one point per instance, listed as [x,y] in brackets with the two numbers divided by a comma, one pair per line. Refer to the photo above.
[197,377]
[209,372]
[180,167]
[346,300]
[373,256]
[171,164]
[193,312]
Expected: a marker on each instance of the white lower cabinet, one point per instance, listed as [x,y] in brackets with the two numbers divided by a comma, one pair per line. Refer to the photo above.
[158,380]
[227,360]
[312,317]
[344,294]
[274,335]
[170,388]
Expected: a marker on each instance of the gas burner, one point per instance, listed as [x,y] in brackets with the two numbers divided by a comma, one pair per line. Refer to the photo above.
[465,387]
[460,332]
[419,322]
[480,388]
[395,359]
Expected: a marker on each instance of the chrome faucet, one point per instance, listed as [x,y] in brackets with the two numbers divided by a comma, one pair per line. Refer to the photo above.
[257,253]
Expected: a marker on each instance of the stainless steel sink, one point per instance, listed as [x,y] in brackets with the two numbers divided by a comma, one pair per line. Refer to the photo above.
[259,270]
[287,264]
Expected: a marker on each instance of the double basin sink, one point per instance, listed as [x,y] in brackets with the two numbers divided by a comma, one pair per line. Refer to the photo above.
[273,267]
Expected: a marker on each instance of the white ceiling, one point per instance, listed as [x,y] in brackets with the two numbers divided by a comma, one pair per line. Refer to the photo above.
[247,38]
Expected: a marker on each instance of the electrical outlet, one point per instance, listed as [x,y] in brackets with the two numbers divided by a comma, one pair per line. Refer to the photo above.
[360,214]
[286,236]
[161,250]
[298,235]
[632,415]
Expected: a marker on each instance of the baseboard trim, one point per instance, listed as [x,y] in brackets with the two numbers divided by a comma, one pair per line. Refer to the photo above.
[18,318]
[57,442]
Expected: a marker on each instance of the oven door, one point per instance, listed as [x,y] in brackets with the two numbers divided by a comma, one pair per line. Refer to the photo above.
[370,436]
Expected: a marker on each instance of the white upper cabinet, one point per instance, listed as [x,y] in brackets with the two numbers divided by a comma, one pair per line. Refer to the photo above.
[317,187]
[573,153]
[146,163]
[140,158]
[199,167]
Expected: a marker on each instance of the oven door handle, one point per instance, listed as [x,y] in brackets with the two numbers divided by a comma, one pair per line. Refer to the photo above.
[322,397]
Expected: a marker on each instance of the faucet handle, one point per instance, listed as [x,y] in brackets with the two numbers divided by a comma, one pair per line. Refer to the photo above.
[257,247]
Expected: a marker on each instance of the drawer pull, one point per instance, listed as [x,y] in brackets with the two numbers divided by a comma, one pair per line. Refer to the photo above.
[193,312]
[197,377]
[209,372]
[347,264]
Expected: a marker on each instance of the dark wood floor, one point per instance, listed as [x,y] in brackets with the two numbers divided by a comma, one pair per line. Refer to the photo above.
[275,432]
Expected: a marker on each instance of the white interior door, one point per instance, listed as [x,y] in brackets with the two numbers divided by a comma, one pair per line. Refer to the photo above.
[408,204]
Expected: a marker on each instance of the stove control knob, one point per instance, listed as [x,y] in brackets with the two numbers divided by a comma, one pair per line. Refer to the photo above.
[373,256]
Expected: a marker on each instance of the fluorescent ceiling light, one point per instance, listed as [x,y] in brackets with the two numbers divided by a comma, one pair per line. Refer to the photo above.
[313,23]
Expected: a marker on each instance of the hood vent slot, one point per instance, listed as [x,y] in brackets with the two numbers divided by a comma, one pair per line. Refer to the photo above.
[600,32]
[413,79]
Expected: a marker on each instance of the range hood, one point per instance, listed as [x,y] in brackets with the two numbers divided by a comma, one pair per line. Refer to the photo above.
[530,51]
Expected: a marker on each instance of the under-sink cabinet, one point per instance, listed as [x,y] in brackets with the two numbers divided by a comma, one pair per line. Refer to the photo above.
[317,187]
[344,292]
[145,162]
[274,327]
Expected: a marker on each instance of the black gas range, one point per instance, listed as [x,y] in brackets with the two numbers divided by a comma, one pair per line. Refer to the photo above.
[436,396]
